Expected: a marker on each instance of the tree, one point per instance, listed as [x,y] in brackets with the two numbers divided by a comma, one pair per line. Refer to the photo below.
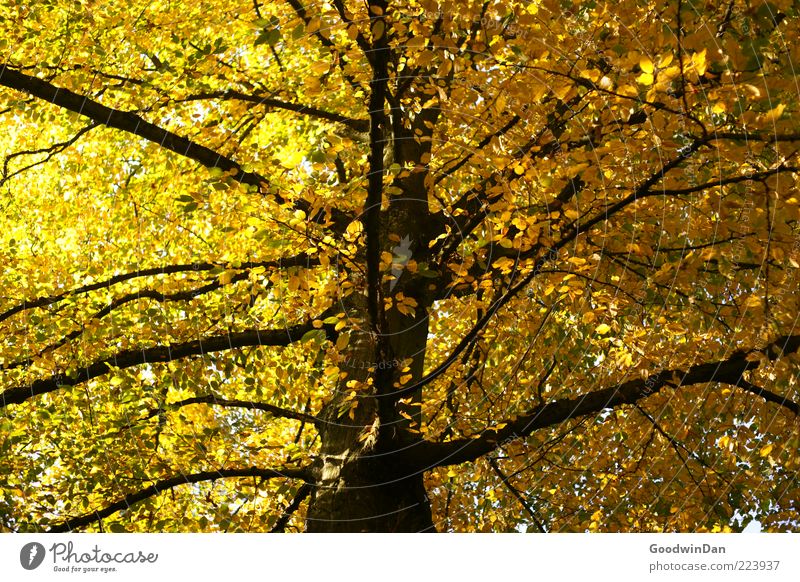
[399,266]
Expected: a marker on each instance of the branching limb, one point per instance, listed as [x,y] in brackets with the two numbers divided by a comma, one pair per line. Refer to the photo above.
[517,495]
[212,400]
[360,125]
[119,302]
[125,121]
[167,484]
[291,509]
[138,126]
[160,354]
[301,260]
[729,371]
[51,151]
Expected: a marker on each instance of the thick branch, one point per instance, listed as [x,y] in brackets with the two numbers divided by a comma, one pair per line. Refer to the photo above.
[755,136]
[728,371]
[136,125]
[171,483]
[732,180]
[159,354]
[187,295]
[125,121]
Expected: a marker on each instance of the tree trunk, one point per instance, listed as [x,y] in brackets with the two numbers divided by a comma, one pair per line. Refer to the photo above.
[362,483]
[365,482]
[369,494]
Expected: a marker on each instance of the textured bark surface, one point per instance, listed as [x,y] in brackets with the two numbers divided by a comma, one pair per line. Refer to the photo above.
[365,481]
[362,484]
[369,495]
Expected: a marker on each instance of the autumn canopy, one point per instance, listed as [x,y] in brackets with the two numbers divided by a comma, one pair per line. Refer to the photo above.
[399,265]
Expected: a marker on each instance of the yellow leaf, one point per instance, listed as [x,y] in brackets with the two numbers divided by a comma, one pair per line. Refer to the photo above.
[645,79]
[602,329]
[765,450]
[320,67]
[378,29]
[646,65]
[754,91]
[591,74]
[562,90]
[225,277]
[753,302]
[699,62]
[773,115]
[676,328]
[416,42]
[342,341]
[313,25]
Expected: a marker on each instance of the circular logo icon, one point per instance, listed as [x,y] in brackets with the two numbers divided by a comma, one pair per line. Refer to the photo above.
[31,555]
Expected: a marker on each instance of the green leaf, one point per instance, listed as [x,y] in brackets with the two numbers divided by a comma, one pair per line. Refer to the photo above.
[317,335]
[271,37]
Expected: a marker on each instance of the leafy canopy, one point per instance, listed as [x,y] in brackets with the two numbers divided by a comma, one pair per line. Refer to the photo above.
[606,255]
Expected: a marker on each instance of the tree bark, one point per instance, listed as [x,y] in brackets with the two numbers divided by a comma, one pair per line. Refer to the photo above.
[362,483]
[365,481]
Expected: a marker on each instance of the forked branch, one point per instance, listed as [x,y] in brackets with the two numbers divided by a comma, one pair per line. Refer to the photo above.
[167,484]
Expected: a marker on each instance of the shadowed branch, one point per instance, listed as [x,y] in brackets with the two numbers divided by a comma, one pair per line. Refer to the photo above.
[166,484]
